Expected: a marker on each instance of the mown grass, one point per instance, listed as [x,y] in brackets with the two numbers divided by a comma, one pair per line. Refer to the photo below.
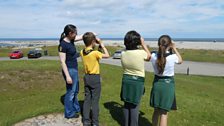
[30,88]
[215,56]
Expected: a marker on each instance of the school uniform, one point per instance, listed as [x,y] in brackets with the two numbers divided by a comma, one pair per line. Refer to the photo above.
[92,84]
[163,89]
[132,84]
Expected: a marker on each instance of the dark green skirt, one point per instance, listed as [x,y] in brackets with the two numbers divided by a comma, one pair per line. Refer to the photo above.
[132,88]
[163,93]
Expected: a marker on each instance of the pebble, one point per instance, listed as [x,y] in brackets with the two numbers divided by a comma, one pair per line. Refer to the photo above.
[51,120]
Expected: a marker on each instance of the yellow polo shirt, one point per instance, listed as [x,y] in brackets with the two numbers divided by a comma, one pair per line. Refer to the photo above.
[133,62]
[91,61]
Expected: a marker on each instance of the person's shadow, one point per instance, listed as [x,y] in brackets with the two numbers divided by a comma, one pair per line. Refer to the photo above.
[116,112]
[62,99]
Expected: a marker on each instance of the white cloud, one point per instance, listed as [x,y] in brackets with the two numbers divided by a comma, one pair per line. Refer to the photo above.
[113,18]
[90,4]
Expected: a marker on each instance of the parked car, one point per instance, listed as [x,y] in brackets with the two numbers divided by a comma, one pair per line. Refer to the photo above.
[34,54]
[16,54]
[117,54]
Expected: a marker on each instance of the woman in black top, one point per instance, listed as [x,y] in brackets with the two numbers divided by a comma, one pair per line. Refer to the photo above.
[68,58]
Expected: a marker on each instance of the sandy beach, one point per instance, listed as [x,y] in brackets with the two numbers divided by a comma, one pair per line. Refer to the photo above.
[195,45]
[179,44]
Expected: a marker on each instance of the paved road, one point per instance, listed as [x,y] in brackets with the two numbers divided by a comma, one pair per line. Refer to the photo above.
[195,68]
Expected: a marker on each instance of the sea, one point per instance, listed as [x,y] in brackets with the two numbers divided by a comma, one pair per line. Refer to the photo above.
[5,42]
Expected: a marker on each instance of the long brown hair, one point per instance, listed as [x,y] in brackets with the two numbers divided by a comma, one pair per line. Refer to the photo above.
[68,28]
[164,42]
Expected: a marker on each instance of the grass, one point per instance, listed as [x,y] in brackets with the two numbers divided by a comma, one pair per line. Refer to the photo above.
[216,56]
[213,56]
[33,87]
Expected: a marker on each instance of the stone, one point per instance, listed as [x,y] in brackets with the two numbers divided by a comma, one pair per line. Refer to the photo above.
[40,117]
[51,120]
[50,116]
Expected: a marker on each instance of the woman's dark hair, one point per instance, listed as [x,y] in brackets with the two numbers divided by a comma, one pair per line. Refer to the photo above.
[164,42]
[68,28]
[131,40]
[88,38]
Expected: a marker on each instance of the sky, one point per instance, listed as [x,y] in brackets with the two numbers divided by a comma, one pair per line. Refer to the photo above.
[112,18]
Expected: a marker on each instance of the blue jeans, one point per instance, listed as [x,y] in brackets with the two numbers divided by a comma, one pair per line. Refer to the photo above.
[71,101]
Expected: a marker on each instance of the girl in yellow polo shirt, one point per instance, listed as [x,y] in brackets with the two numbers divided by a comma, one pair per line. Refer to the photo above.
[132,60]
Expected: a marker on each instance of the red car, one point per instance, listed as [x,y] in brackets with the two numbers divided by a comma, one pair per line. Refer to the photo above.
[16,54]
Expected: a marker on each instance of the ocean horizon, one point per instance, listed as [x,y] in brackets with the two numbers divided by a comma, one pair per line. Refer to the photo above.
[146,39]
[188,43]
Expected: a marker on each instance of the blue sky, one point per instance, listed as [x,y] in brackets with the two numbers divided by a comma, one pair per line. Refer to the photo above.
[112,18]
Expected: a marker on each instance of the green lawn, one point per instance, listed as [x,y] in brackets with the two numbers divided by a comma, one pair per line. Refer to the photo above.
[33,87]
[214,56]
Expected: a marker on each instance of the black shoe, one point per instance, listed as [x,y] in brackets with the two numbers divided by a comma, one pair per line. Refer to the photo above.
[75,116]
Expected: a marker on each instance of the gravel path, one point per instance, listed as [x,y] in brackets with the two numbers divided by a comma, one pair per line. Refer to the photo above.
[56,119]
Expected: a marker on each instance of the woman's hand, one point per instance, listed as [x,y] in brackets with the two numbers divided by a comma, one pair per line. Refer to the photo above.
[69,80]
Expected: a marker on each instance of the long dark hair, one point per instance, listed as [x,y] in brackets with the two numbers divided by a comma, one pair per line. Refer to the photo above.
[131,40]
[68,28]
[164,42]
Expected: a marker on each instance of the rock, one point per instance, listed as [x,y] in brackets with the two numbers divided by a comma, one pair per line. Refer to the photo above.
[40,117]
[34,124]
[29,120]
[50,116]
[51,120]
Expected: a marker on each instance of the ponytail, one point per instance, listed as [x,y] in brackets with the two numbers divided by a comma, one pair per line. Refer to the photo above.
[161,60]
[67,29]
[163,43]
[62,37]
